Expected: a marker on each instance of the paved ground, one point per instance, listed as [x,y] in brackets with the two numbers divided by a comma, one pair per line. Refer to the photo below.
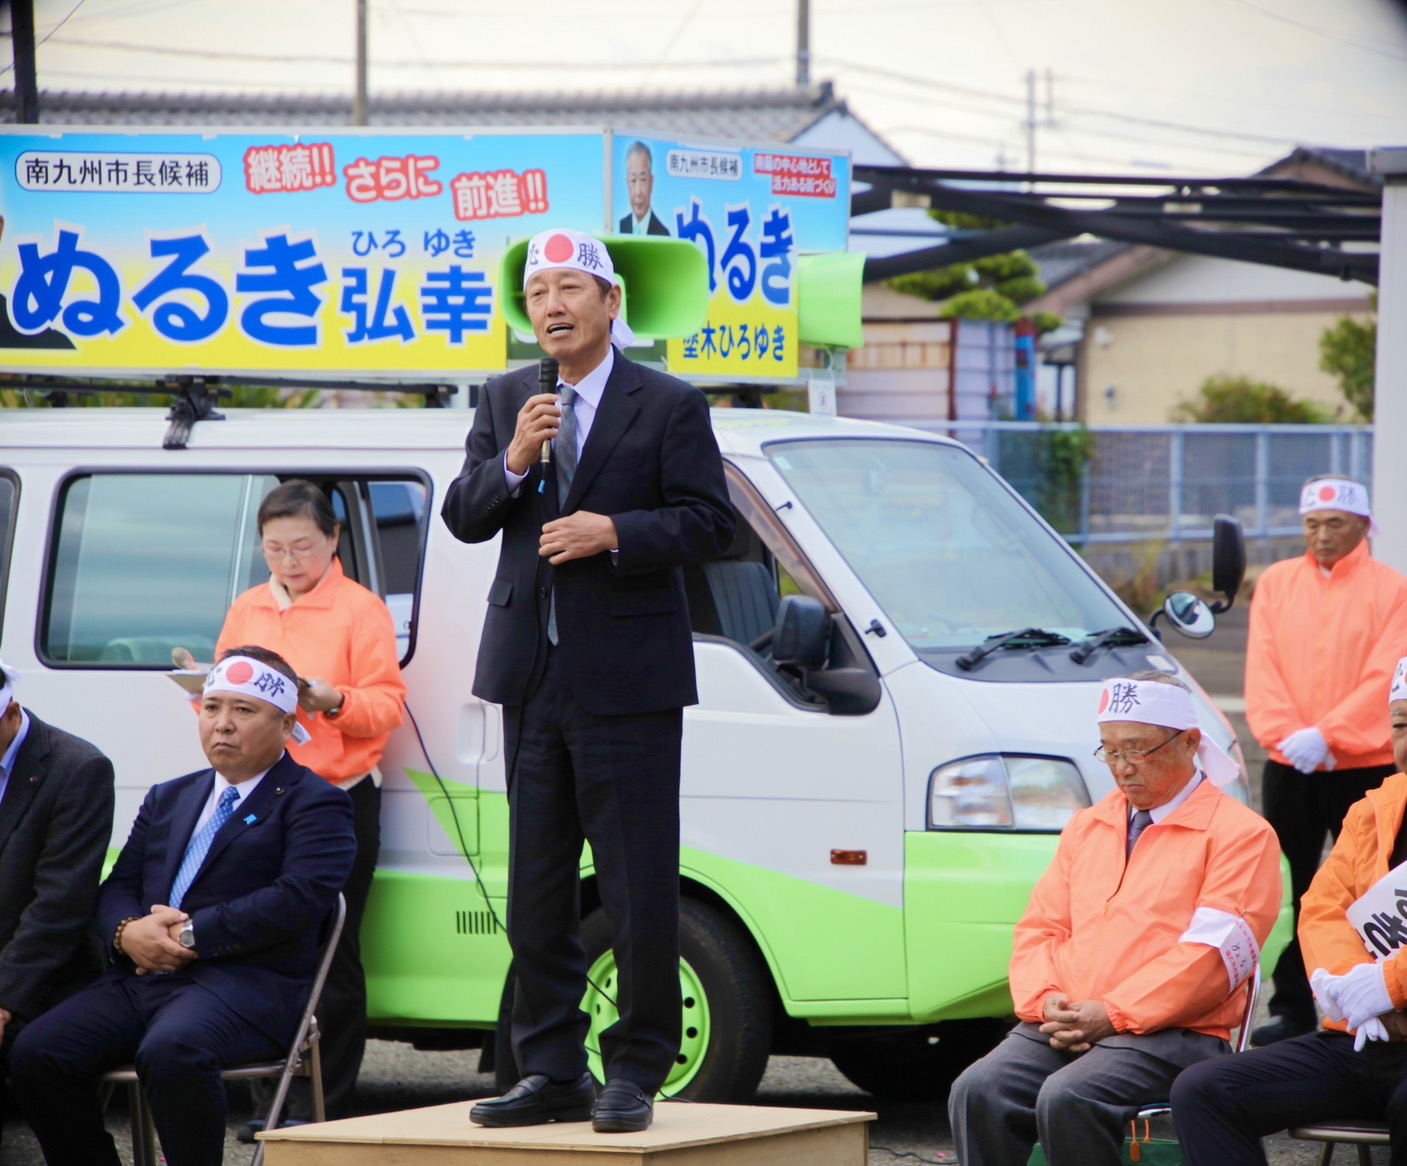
[398,1077]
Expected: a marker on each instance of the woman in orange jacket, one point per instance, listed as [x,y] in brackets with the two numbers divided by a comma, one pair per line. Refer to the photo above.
[341,639]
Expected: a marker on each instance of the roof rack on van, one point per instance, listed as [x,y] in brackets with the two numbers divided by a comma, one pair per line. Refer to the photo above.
[195,397]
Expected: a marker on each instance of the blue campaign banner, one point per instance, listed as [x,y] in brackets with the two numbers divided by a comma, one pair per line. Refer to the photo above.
[753,211]
[371,253]
[375,253]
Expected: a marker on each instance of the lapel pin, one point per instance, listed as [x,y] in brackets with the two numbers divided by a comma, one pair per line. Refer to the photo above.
[250,820]
[278,789]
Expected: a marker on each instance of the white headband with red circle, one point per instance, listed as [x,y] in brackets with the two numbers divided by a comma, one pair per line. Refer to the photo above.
[561,247]
[252,678]
[1338,494]
[1170,706]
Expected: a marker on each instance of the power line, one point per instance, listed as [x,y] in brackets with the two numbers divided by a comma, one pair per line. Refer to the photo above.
[1320,32]
[47,35]
[1020,103]
[401,62]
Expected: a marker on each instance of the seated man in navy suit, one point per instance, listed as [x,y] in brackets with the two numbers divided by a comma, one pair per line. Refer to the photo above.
[211,915]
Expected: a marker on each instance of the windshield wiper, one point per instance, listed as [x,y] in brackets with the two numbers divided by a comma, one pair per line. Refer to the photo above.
[1120,637]
[1025,638]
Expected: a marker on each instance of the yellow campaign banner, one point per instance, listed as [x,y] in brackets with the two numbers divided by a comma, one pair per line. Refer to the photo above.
[749,341]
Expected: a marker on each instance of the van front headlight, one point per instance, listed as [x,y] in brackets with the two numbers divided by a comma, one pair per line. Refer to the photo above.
[1005,792]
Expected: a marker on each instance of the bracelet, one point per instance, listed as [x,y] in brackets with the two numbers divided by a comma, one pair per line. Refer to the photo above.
[117,936]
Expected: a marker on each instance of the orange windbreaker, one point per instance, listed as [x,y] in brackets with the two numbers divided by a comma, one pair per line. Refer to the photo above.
[343,634]
[1322,652]
[1098,928]
[1359,859]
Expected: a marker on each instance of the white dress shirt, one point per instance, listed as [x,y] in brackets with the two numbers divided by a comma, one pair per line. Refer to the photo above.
[589,393]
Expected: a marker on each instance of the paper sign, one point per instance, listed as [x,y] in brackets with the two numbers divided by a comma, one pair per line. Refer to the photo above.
[1380,916]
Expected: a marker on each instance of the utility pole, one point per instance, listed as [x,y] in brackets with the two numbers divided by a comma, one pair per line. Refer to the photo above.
[359,99]
[1030,121]
[803,43]
[26,86]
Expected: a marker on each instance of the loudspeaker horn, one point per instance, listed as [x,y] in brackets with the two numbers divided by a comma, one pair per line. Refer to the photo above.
[829,288]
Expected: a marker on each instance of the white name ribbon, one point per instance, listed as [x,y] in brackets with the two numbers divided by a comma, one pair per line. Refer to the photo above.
[1231,936]
[1380,915]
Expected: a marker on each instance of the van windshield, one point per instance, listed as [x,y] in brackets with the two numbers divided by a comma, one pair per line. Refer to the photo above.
[942,545]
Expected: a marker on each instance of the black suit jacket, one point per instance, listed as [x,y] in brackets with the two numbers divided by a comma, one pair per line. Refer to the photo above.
[652,464]
[260,897]
[55,827]
[654,227]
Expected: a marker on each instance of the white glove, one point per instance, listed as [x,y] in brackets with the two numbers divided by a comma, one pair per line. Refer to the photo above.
[1362,994]
[1369,1030]
[1306,750]
[1326,991]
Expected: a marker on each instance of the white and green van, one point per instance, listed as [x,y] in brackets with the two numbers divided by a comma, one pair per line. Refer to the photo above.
[868,792]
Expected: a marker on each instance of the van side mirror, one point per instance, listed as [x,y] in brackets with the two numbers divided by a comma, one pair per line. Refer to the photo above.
[1190,615]
[1228,561]
[803,632]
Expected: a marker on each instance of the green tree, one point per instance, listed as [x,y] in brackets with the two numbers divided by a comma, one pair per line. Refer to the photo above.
[1349,349]
[991,288]
[1226,399]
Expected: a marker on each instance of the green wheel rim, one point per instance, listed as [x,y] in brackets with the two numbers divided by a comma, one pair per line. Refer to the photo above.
[599,1004]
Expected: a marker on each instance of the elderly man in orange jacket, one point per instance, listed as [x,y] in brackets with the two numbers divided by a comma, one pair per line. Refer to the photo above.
[1326,630]
[1127,964]
[1354,935]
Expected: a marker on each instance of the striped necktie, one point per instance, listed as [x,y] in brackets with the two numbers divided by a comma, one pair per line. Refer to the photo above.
[565,456]
[1141,821]
[200,846]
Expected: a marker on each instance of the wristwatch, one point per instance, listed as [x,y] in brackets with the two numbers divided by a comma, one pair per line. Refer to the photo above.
[187,936]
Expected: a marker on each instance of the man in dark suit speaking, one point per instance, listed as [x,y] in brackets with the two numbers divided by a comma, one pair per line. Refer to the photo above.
[587,645]
[55,824]
[212,914]
[640,186]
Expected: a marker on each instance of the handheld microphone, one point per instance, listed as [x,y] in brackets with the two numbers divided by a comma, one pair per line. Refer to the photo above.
[546,383]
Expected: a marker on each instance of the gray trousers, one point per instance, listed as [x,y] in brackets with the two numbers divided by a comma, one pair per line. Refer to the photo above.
[1076,1104]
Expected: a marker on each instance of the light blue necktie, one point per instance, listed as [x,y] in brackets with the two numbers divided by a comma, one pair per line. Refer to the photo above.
[566,470]
[200,846]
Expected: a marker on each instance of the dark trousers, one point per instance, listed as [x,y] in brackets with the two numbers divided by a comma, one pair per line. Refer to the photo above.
[1304,808]
[1222,1108]
[177,1034]
[612,781]
[342,1011]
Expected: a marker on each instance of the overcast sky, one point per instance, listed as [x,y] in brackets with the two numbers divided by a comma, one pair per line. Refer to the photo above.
[1194,87]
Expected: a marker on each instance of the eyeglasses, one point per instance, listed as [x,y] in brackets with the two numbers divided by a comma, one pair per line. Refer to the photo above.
[299,551]
[1132,756]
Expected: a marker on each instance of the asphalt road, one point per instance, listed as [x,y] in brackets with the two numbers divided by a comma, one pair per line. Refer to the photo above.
[395,1076]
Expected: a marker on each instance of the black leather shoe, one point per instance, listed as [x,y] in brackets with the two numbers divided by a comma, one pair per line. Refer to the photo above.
[1279,1028]
[537,1099]
[622,1108]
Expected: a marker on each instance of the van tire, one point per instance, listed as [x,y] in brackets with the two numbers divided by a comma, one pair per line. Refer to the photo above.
[916,1064]
[722,1057]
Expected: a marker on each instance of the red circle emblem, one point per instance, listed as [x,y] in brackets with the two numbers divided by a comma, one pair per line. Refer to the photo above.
[558,249]
[1327,493]
[240,672]
[1104,702]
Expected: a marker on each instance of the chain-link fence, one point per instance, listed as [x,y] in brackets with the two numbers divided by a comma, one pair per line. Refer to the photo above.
[1166,482]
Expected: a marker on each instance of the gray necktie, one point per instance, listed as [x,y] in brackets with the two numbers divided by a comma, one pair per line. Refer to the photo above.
[564,450]
[1141,821]
[565,457]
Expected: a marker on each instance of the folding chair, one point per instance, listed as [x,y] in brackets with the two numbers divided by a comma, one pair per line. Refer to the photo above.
[1352,1133]
[304,1060]
[1243,1041]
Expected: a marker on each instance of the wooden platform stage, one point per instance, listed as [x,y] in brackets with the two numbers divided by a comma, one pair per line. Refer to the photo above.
[683,1134]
